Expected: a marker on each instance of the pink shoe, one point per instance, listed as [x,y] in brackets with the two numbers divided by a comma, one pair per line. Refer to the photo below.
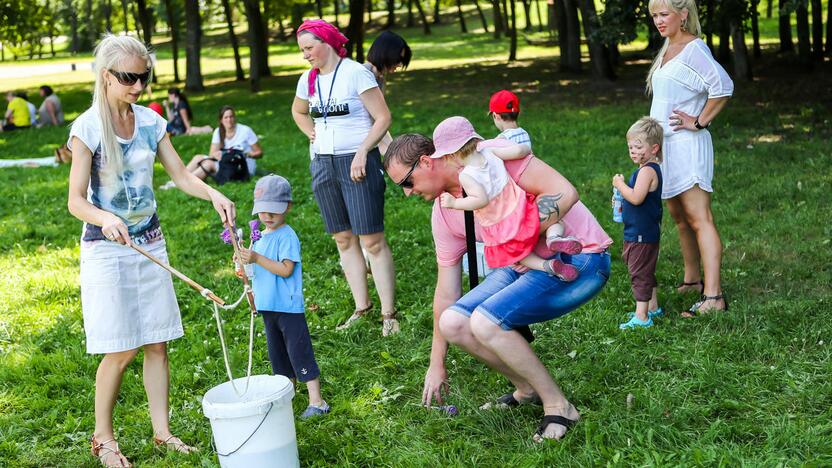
[567,245]
[564,272]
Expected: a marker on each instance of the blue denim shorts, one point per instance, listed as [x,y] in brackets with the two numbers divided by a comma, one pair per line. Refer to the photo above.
[511,299]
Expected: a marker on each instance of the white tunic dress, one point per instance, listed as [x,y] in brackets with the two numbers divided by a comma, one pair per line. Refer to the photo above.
[686,82]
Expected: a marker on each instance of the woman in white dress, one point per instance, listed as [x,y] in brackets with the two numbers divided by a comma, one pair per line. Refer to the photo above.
[689,90]
[128,302]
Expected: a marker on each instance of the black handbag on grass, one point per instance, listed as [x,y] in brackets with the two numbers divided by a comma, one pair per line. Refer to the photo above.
[232,166]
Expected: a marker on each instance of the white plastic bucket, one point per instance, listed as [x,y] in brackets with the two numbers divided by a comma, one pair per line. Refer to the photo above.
[257,430]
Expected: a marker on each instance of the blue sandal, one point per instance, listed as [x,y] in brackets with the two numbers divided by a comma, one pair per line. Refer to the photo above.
[311,411]
[635,322]
[651,313]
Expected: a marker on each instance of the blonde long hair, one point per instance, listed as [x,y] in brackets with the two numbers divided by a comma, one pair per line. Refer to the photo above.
[109,54]
[690,25]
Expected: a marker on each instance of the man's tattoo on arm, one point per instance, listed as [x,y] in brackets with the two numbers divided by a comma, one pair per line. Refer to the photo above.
[547,205]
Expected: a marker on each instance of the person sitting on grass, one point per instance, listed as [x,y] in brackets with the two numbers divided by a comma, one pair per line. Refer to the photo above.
[180,115]
[508,215]
[128,302]
[33,111]
[278,290]
[17,113]
[229,135]
[642,212]
[504,109]
[50,112]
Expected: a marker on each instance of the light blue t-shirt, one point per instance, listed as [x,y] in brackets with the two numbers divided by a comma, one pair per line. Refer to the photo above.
[272,292]
[517,135]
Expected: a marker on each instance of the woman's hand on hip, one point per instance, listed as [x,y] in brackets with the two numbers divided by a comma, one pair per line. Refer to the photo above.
[358,168]
[436,383]
[223,206]
[679,120]
[115,230]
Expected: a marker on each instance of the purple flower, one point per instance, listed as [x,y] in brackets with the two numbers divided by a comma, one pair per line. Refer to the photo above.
[255,232]
[226,236]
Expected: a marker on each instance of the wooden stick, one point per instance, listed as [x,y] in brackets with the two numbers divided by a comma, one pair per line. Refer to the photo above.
[176,273]
[235,242]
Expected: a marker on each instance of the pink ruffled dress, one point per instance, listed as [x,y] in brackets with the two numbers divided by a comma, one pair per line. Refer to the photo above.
[510,222]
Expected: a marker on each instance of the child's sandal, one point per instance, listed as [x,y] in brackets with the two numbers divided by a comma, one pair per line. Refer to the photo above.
[101,451]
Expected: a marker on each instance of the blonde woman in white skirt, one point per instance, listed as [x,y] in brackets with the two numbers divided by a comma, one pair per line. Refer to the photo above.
[689,90]
[128,302]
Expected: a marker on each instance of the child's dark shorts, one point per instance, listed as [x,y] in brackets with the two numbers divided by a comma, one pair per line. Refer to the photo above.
[641,258]
[290,346]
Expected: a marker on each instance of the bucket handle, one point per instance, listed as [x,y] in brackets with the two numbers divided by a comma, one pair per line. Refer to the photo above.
[214,443]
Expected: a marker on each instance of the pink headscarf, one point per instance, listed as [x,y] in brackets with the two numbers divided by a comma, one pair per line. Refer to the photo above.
[330,35]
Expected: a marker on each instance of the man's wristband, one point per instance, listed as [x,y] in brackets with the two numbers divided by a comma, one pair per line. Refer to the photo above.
[700,126]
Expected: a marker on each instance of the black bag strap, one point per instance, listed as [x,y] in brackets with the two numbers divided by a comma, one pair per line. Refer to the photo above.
[473,274]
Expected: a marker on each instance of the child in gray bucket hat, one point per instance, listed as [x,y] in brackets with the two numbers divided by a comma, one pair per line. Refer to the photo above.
[278,290]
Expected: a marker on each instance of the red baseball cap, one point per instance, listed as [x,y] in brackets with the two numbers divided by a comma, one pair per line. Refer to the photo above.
[504,101]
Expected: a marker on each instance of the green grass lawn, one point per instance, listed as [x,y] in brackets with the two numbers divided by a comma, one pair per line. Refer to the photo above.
[748,387]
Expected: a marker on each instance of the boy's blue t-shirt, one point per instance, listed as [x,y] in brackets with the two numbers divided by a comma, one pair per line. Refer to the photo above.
[272,292]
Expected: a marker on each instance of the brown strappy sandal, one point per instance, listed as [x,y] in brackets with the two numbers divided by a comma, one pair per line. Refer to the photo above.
[355,316]
[389,324]
[684,284]
[100,451]
[174,443]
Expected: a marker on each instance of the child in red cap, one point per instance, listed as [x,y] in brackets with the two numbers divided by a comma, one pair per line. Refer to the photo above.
[504,108]
[509,216]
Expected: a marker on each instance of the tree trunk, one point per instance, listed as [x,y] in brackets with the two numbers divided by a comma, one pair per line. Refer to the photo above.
[422,16]
[785,28]
[482,15]
[817,31]
[258,44]
[145,21]
[124,15]
[829,28]
[355,30]
[724,51]
[107,12]
[539,16]
[74,44]
[238,66]
[755,29]
[709,22]
[742,66]
[599,56]
[173,25]
[804,46]
[498,18]
[319,8]
[512,51]
[337,8]
[571,59]
[769,4]
[369,11]
[528,12]
[436,19]
[411,20]
[391,14]
[193,46]
[461,16]
[506,18]
[281,30]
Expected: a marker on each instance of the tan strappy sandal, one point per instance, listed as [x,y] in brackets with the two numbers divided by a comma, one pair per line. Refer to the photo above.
[389,324]
[354,317]
[100,450]
[174,443]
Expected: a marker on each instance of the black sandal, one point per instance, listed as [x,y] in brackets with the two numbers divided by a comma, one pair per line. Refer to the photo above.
[554,419]
[694,309]
[700,283]
[509,400]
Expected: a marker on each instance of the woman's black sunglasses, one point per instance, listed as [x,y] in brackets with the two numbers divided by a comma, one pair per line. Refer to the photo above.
[129,79]
[406,182]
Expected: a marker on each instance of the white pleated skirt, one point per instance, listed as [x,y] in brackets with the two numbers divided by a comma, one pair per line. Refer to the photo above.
[127,300]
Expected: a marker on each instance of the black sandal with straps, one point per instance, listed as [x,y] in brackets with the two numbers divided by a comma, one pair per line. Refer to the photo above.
[699,283]
[554,419]
[694,309]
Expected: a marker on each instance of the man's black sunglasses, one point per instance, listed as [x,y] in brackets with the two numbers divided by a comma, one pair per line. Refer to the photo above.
[406,182]
[129,79]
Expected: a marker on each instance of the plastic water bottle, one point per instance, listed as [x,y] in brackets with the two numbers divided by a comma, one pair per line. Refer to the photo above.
[617,206]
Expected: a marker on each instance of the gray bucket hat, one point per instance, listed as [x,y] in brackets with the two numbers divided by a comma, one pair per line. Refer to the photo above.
[272,194]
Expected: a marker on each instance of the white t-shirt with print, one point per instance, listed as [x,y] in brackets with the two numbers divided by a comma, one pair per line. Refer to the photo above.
[129,193]
[244,138]
[347,122]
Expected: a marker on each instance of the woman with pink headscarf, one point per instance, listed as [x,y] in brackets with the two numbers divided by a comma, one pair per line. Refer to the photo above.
[340,108]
